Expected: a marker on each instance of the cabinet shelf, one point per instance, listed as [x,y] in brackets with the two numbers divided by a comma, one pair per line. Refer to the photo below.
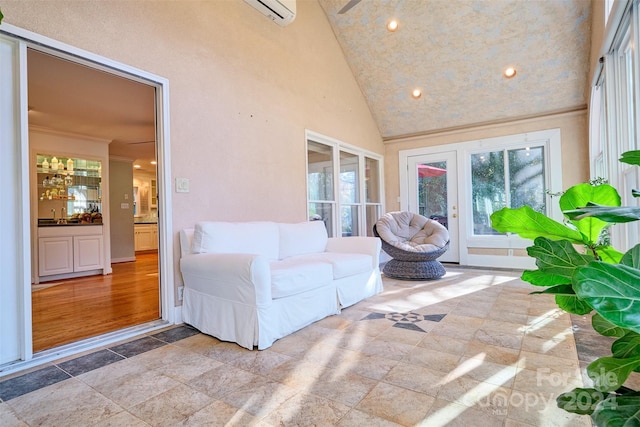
[82,190]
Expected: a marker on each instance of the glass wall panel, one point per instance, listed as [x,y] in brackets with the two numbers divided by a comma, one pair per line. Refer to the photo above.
[526,178]
[322,212]
[349,220]
[488,189]
[372,215]
[372,180]
[351,205]
[320,171]
[432,191]
[349,184]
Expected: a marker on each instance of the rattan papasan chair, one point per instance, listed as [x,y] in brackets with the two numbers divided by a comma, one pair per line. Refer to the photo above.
[414,242]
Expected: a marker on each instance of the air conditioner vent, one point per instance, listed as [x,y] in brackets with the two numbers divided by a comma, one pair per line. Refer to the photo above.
[282,12]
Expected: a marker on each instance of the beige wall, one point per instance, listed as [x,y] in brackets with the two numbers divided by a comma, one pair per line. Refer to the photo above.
[242,92]
[597,34]
[121,210]
[573,133]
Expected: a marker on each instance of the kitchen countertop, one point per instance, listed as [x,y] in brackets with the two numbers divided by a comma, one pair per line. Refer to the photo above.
[73,224]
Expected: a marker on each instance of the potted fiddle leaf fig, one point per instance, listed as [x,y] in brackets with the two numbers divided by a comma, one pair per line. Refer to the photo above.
[597,279]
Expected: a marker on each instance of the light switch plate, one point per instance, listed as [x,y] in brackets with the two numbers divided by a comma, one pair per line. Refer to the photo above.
[182,185]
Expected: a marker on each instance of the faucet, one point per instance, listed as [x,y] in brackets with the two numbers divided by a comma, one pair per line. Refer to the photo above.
[53,211]
[63,218]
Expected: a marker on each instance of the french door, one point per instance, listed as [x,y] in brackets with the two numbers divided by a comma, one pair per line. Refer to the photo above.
[433,193]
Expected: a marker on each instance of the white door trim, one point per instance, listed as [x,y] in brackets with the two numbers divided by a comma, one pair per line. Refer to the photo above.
[511,243]
[450,157]
[170,314]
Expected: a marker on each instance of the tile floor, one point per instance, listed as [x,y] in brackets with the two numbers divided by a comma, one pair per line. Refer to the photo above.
[471,349]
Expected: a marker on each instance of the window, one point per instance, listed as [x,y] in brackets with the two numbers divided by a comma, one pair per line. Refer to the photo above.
[614,122]
[340,203]
[373,202]
[320,183]
[506,178]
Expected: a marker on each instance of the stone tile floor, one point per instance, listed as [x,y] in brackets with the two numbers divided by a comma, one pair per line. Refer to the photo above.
[471,349]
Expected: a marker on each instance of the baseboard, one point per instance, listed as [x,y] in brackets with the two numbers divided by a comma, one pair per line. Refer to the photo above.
[125,259]
[177,315]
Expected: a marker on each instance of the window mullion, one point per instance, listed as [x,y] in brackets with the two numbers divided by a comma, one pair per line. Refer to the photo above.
[507,179]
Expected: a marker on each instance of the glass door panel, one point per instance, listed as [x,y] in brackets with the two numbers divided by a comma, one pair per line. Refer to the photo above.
[433,193]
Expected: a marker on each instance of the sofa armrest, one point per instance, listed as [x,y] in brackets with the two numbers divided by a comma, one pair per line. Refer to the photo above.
[359,245]
[245,278]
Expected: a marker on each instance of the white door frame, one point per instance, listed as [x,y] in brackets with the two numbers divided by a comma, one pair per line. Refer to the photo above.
[169,313]
[453,253]
[468,243]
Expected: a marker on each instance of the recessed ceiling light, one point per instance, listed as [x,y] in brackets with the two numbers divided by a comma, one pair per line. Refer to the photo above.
[416,93]
[153,162]
[137,166]
[392,25]
[509,72]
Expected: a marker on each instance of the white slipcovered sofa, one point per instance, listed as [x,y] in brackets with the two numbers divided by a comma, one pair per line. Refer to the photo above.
[255,282]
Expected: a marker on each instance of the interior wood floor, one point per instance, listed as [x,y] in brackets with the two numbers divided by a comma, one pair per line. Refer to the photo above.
[84,307]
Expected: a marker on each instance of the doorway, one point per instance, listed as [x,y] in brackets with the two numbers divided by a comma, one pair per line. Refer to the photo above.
[433,193]
[17,343]
[104,124]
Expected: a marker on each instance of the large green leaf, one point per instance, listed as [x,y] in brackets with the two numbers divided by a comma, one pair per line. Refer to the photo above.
[606,328]
[573,304]
[557,290]
[609,373]
[616,215]
[609,254]
[626,347]
[612,290]
[529,224]
[581,401]
[631,258]
[581,195]
[557,257]
[540,278]
[618,411]
[631,157]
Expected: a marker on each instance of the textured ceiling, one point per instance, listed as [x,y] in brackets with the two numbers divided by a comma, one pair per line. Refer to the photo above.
[456,52]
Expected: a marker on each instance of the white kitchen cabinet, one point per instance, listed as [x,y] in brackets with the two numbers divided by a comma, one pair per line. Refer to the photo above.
[68,251]
[87,253]
[56,255]
[146,237]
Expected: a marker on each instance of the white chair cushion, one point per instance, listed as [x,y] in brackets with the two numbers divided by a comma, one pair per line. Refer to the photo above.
[292,276]
[260,238]
[411,232]
[302,238]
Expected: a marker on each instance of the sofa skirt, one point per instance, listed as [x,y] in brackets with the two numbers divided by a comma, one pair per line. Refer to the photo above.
[250,325]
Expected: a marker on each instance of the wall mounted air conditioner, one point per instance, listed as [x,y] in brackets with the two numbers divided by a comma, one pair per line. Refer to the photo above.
[282,12]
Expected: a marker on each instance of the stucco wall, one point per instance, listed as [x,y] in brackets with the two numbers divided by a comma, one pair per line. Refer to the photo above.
[242,92]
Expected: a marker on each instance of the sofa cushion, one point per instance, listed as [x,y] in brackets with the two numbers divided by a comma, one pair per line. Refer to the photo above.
[293,276]
[342,264]
[302,238]
[260,238]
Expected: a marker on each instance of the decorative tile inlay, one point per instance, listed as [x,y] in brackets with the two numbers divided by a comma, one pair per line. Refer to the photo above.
[406,320]
[176,334]
[132,348]
[90,362]
[32,381]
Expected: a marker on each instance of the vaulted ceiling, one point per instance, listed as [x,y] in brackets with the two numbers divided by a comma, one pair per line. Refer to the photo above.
[456,51]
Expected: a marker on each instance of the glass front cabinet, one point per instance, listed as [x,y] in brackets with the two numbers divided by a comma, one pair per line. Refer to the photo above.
[69,189]
[68,203]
